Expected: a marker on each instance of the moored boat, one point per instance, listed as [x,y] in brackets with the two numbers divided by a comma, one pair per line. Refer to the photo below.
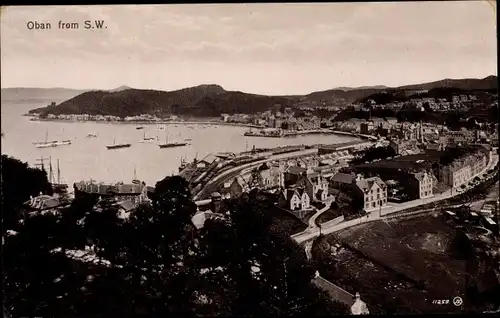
[148,139]
[117,146]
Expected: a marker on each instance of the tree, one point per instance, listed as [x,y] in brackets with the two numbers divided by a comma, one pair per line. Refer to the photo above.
[19,182]
[159,263]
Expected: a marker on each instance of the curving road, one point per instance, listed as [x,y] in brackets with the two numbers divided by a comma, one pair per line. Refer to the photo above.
[311,233]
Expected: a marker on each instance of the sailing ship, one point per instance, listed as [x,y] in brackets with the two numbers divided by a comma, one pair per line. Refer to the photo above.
[148,139]
[52,143]
[117,146]
[172,144]
[56,185]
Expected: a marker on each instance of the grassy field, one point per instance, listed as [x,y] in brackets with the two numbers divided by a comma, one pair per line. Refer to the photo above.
[420,249]
[329,214]
[287,222]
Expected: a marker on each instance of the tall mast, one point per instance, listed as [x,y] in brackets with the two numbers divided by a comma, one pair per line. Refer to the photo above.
[47,135]
[51,173]
[58,173]
[135,173]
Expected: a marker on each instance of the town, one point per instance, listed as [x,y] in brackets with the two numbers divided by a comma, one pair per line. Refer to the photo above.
[248,160]
[396,170]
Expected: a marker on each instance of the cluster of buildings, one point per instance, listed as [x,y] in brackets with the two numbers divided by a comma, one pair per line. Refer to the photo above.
[126,197]
[276,119]
[83,117]
[456,102]
[460,170]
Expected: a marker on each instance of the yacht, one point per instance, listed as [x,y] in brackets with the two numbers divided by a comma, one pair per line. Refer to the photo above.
[148,139]
[172,144]
[117,146]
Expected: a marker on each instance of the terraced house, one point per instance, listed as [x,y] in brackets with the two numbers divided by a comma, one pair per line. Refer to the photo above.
[462,170]
[372,191]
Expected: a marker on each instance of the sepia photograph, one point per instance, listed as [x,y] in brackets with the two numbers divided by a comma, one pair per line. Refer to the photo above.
[258,159]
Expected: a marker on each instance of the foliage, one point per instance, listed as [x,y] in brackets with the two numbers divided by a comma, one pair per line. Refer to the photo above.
[157,263]
[374,153]
[19,182]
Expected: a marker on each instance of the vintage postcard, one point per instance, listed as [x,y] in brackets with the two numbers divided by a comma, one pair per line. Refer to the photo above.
[250,159]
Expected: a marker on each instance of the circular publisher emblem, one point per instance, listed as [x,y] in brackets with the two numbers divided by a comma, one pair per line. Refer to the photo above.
[457,301]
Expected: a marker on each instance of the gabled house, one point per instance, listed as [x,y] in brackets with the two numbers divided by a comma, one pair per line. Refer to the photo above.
[207,161]
[372,192]
[294,199]
[420,185]
[125,208]
[293,174]
[42,204]
[315,185]
[137,192]
[343,181]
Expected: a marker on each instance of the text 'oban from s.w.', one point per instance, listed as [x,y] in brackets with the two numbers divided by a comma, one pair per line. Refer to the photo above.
[67,25]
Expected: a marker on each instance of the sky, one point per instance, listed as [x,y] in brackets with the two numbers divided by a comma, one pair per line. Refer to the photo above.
[257,48]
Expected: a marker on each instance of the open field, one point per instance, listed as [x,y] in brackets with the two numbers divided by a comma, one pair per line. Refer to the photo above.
[330,214]
[420,249]
[287,222]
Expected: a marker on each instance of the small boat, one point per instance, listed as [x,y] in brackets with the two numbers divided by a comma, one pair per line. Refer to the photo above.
[148,139]
[63,142]
[172,144]
[139,127]
[53,143]
[92,135]
[188,139]
[117,146]
[48,144]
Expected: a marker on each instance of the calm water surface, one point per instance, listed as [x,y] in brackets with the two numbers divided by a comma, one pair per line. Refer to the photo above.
[88,158]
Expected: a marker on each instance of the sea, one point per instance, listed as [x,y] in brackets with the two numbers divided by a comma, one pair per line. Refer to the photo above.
[89,159]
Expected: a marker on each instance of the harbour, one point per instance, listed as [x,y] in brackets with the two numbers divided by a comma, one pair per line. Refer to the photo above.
[87,155]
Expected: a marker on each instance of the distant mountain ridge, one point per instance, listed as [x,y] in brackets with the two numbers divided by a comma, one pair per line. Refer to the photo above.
[212,99]
[346,89]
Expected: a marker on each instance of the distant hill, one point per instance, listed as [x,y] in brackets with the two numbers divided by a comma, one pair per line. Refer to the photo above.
[346,89]
[203,100]
[212,100]
[487,83]
[119,89]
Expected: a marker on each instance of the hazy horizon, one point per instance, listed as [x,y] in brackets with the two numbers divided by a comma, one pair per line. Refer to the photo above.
[274,49]
[337,87]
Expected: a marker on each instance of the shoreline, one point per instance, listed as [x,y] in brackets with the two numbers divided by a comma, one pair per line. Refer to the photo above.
[147,122]
[205,122]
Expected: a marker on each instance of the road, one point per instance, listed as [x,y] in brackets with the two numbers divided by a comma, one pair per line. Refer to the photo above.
[229,174]
[312,220]
[310,233]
